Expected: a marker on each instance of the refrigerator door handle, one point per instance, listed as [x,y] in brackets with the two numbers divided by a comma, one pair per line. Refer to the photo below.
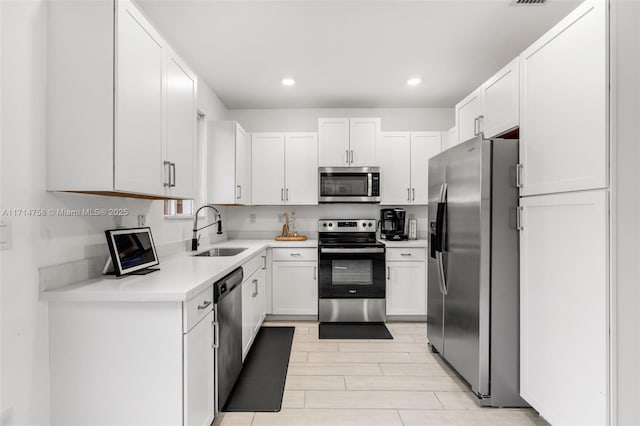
[442,282]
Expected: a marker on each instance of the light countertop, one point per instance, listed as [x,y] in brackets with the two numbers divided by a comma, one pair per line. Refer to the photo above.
[180,277]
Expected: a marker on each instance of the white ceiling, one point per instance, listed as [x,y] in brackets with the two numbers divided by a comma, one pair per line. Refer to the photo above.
[349,54]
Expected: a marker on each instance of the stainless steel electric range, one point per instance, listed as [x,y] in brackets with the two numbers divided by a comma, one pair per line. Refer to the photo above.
[351,284]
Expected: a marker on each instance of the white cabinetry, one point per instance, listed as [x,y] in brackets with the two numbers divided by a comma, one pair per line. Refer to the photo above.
[449,138]
[152,359]
[254,299]
[563,105]
[117,123]
[348,142]
[469,115]
[284,168]
[501,107]
[181,128]
[404,161]
[406,282]
[229,154]
[563,306]
[295,281]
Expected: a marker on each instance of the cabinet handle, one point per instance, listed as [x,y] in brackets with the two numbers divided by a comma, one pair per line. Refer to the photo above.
[204,305]
[172,167]
[168,165]
[519,168]
[351,162]
[216,333]
[315,273]
[413,192]
[408,194]
[388,272]
[238,191]
[281,194]
[295,254]
[405,254]
[264,264]
[255,288]
[347,152]
[475,126]
[480,124]
[286,196]
[519,211]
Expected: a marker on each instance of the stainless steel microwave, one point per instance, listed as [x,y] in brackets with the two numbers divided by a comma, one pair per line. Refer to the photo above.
[349,185]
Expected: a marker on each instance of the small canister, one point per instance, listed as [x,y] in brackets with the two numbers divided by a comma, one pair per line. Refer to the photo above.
[413,228]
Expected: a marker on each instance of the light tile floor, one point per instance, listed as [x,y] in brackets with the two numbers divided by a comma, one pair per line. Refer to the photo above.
[373,382]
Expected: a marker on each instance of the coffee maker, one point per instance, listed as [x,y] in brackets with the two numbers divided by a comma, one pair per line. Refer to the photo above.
[392,224]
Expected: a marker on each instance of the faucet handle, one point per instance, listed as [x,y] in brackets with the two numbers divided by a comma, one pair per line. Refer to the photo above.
[199,236]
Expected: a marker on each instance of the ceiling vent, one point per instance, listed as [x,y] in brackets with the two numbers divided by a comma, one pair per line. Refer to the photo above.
[528,2]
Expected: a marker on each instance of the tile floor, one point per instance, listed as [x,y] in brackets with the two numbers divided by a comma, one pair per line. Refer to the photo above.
[373,382]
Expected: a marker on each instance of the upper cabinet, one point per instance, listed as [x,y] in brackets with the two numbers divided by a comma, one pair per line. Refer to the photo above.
[229,160]
[121,104]
[284,168]
[469,115]
[348,142]
[563,105]
[500,94]
[404,163]
[449,138]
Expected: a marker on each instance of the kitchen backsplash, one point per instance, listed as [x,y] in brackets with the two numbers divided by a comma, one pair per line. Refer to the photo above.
[267,221]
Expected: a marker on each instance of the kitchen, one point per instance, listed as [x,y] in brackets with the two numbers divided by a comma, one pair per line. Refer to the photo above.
[51,252]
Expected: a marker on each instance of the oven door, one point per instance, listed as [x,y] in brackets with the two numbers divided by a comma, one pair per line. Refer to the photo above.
[348,185]
[351,272]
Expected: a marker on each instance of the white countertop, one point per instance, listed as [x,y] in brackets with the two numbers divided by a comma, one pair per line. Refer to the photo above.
[180,277]
[405,244]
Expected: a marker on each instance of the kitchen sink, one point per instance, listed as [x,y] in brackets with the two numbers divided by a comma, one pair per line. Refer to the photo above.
[223,251]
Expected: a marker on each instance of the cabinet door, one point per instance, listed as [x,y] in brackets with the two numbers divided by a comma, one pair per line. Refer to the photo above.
[181,128]
[333,146]
[563,306]
[395,168]
[406,288]
[198,374]
[243,166]
[139,104]
[295,288]
[424,145]
[501,100]
[248,288]
[260,301]
[267,168]
[469,114]
[363,141]
[301,168]
[563,101]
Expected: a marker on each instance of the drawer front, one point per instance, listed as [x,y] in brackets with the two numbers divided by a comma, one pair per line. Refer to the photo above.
[295,254]
[407,254]
[253,264]
[197,308]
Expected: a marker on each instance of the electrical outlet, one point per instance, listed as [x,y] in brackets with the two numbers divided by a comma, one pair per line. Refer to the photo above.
[252,218]
[6,239]
[6,417]
[142,219]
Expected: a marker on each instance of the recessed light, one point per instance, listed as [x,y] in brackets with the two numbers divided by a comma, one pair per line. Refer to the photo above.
[288,82]
[414,81]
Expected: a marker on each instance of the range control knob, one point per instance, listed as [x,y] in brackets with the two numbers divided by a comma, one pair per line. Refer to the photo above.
[324,224]
[331,225]
[370,224]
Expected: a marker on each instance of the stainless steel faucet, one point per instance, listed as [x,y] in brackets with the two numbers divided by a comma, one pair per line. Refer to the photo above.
[195,240]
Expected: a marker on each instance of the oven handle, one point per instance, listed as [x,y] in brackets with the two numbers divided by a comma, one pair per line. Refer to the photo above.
[352,250]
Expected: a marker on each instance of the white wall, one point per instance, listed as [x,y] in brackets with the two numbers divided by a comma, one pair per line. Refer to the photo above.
[41,242]
[306,119]
[626,209]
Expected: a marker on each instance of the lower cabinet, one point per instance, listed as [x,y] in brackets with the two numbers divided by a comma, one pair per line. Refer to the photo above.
[295,288]
[198,374]
[564,293]
[254,302]
[406,283]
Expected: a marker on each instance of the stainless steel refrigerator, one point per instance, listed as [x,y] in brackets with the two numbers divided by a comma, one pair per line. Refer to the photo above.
[473,292]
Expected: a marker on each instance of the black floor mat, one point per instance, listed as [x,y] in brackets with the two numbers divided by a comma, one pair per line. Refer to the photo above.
[354,330]
[261,382]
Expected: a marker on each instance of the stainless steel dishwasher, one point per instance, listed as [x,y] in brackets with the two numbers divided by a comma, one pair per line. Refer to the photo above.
[228,356]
